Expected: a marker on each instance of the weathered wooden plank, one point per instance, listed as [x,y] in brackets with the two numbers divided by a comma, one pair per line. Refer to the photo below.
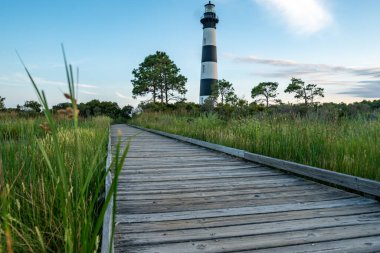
[192,170]
[227,187]
[208,183]
[357,245]
[210,233]
[245,210]
[161,226]
[172,154]
[183,205]
[233,244]
[230,162]
[173,163]
[237,192]
[195,176]
[229,197]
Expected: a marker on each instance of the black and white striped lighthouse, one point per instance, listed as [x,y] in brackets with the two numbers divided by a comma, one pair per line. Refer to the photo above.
[209,71]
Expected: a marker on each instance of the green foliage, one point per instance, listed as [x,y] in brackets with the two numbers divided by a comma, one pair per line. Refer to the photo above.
[266,89]
[52,178]
[61,106]
[225,91]
[178,107]
[306,92]
[34,199]
[159,77]
[2,104]
[33,106]
[95,108]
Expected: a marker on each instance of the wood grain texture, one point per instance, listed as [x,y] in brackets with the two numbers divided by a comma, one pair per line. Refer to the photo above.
[178,197]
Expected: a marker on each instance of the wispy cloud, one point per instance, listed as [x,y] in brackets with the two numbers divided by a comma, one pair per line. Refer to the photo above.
[88,86]
[301,16]
[15,79]
[19,79]
[365,89]
[120,95]
[88,92]
[290,68]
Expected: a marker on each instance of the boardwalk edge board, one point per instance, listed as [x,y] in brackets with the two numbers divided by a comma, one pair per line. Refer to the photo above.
[358,184]
[107,222]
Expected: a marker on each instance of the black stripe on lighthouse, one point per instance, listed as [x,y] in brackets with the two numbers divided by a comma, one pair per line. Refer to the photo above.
[207,86]
[209,54]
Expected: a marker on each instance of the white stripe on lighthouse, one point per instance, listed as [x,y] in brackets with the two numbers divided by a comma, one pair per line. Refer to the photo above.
[209,37]
[209,70]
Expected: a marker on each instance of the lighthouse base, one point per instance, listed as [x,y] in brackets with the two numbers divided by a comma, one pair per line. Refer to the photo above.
[202,99]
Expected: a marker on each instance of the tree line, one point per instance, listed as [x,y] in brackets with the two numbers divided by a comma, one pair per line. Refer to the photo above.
[159,78]
[88,109]
[155,78]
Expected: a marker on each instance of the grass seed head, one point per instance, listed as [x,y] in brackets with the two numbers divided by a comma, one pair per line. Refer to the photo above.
[61,112]
[18,205]
[69,110]
[67,96]
[45,127]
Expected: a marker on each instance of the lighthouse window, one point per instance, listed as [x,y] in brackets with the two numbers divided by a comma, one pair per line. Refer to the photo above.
[204,40]
[209,8]
[203,68]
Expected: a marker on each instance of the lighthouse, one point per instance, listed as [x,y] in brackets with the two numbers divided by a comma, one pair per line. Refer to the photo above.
[209,70]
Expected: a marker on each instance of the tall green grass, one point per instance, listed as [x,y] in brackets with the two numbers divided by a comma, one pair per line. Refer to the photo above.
[52,177]
[350,146]
[32,187]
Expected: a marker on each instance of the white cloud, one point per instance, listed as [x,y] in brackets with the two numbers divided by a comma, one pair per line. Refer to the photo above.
[88,92]
[301,16]
[88,86]
[291,68]
[19,79]
[120,95]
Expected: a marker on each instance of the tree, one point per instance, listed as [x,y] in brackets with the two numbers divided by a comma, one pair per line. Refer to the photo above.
[61,106]
[33,105]
[2,105]
[126,111]
[225,90]
[306,92]
[266,89]
[159,76]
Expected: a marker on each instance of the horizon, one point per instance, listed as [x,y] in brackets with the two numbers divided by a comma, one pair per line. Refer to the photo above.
[330,43]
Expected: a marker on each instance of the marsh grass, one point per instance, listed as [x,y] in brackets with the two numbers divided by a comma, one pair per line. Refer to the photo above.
[52,176]
[350,146]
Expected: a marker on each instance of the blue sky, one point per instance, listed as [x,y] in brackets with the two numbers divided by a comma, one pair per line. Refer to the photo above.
[334,43]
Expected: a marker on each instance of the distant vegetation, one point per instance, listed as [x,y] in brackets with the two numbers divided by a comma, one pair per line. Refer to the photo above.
[92,108]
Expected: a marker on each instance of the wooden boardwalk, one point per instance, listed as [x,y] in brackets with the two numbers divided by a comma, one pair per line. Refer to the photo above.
[176,197]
